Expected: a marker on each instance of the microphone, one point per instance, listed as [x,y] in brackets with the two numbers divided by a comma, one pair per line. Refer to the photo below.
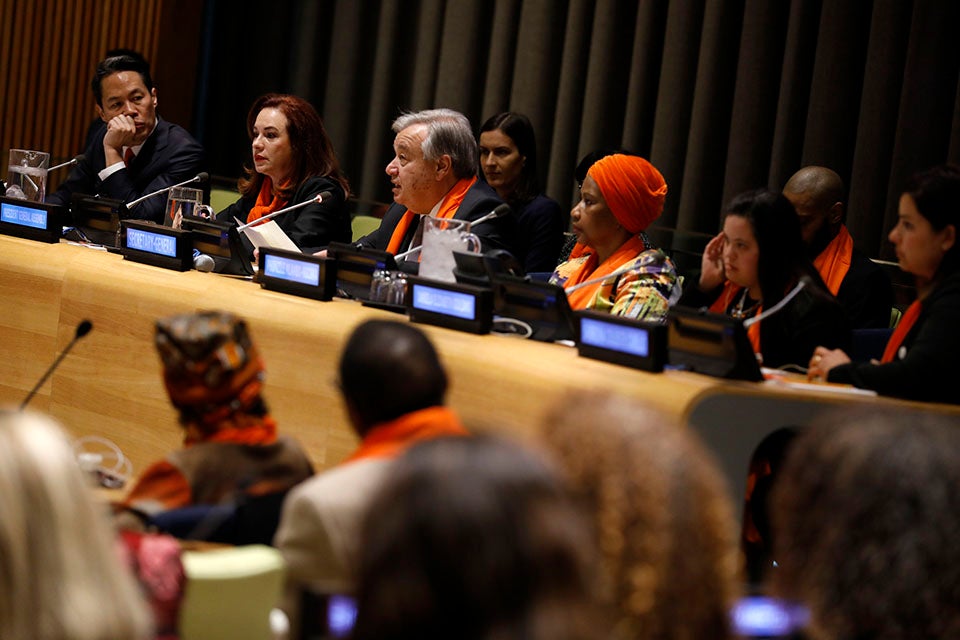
[202,262]
[203,176]
[499,212]
[82,329]
[320,197]
[69,163]
[804,281]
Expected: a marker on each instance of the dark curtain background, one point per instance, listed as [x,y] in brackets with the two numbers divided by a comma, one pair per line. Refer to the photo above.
[721,96]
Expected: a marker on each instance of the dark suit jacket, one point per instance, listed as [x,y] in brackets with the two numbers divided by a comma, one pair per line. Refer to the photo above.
[540,227]
[927,370]
[311,228]
[480,200]
[170,155]
[866,294]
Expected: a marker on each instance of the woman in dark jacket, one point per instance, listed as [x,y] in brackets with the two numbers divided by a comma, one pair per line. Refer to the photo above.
[754,264]
[293,161]
[920,360]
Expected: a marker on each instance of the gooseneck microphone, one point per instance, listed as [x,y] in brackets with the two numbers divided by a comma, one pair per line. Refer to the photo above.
[749,322]
[69,163]
[203,176]
[82,329]
[614,274]
[320,197]
[499,212]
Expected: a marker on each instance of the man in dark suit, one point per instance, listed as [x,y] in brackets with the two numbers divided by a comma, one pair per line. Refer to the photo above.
[434,172]
[860,285]
[136,152]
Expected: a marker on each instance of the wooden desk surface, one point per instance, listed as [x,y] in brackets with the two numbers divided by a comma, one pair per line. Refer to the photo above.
[111,385]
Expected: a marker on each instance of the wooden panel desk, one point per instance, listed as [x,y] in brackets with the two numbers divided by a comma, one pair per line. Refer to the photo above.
[110,384]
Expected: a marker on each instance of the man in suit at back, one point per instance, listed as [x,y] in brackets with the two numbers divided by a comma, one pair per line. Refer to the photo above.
[861,286]
[136,152]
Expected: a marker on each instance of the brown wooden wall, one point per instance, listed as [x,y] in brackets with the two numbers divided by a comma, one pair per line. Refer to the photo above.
[48,51]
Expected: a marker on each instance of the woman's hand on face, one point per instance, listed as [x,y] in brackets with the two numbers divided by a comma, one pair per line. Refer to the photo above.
[823,360]
[711,265]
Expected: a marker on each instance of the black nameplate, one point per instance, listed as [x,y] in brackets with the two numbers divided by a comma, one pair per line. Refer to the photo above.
[156,245]
[446,304]
[632,343]
[31,220]
[298,274]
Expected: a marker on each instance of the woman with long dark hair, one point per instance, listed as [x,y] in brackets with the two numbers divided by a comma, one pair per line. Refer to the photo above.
[752,265]
[508,157]
[293,161]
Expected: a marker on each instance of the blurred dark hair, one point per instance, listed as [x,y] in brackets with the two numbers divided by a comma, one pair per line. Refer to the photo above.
[389,369]
[474,538]
[776,227]
[118,60]
[312,151]
[936,193]
[865,517]
[518,128]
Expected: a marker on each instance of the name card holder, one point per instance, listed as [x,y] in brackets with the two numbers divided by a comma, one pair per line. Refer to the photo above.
[156,245]
[32,220]
[632,343]
[447,304]
[297,274]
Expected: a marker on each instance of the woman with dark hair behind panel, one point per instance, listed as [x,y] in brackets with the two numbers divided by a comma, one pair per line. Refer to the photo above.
[752,264]
[921,356]
[475,539]
[293,161]
[508,157]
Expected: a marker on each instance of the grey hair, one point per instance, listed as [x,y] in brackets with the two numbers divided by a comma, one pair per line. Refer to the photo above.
[448,132]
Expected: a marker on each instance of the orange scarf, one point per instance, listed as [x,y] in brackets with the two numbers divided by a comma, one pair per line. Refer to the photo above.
[722,305]
[833,263]
[266,203]
[449,208]
[390,439]
[627,252]
[903,328]
[241,428]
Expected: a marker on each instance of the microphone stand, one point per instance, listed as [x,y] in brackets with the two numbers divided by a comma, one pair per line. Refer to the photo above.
[82,329]
[196,178]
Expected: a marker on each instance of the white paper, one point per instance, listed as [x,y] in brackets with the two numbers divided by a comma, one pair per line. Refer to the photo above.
[269,234]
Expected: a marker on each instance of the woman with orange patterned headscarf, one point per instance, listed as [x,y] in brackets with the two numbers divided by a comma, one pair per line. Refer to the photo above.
[613,267]
[214,377]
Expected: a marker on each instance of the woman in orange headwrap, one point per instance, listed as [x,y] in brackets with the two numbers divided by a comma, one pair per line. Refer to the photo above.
[613,266]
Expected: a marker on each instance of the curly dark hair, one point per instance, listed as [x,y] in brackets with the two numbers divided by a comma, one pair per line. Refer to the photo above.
[475,539]
[312,151]
[664,521]
[865,517]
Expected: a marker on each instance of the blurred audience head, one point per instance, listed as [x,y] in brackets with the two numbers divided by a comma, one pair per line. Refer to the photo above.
[508,156]
[475,538]
[60,572]
[662,518]
[865,516]
[389,369]
[212,370]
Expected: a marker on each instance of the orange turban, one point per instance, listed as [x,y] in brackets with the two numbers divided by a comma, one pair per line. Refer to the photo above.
[633,188]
